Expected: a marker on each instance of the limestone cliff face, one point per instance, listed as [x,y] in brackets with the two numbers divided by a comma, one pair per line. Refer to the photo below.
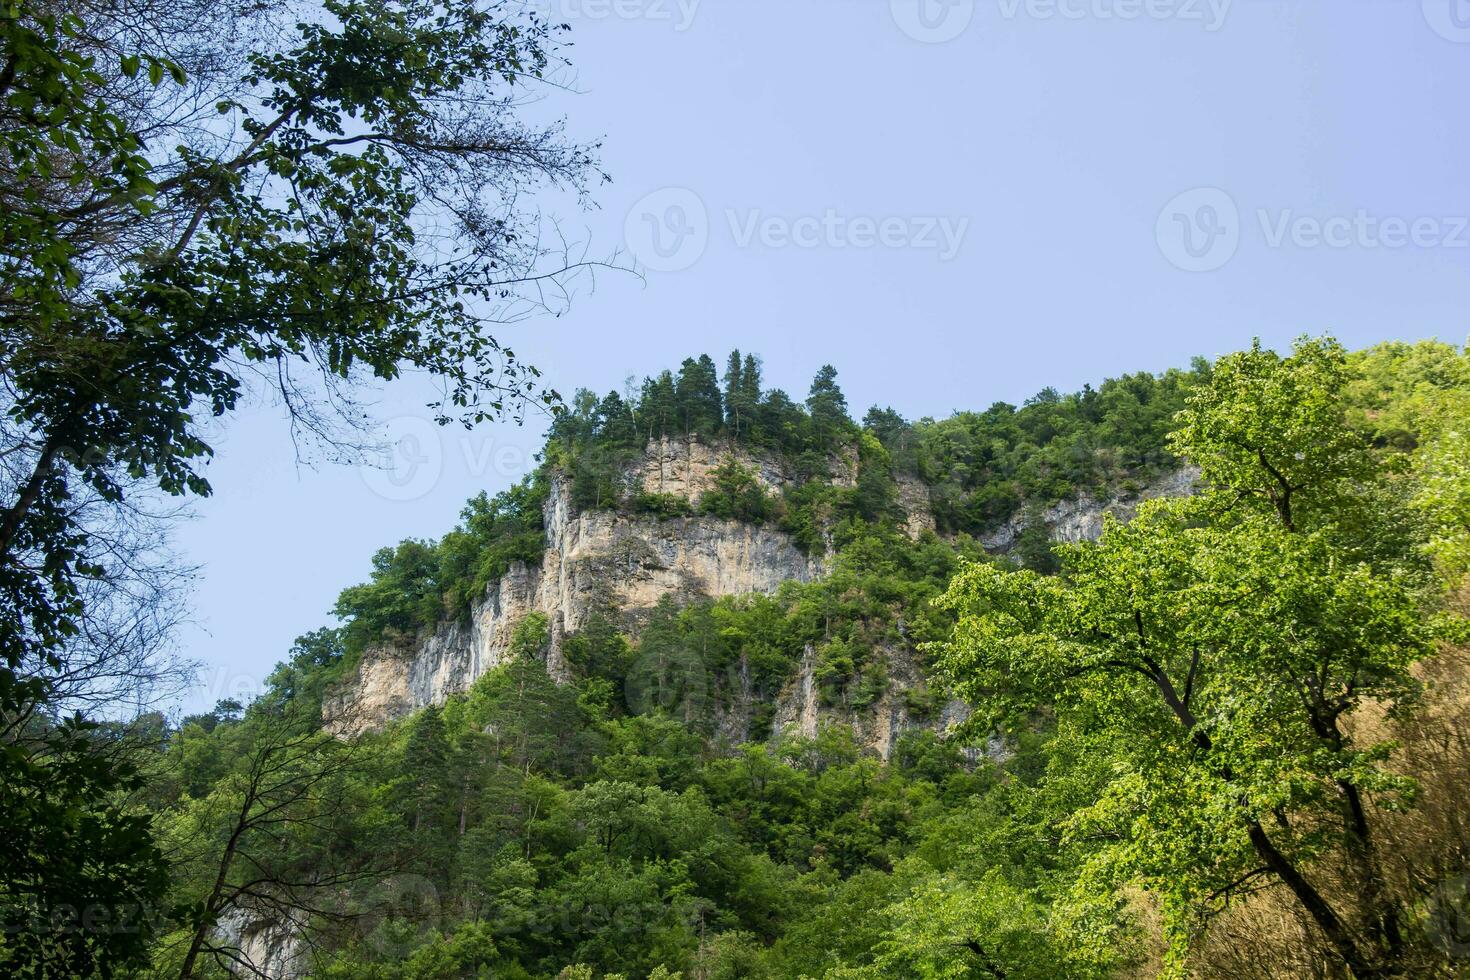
[267,948]
[800,709]
[913,497]
[1081,518]
[685,467]
[395,680]
[594,560]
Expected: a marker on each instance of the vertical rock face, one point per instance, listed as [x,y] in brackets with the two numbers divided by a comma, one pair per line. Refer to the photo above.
[268,949]
[594,560]
[800,709]
[685,467]
[913,497]
[395,680]
[1081,518]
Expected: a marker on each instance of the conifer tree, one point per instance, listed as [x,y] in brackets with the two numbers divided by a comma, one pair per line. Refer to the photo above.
[658,406]
[426,759]
[828,408]
[698,395]
[734,395]
[750,379]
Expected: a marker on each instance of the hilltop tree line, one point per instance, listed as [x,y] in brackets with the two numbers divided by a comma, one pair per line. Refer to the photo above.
[977,469]
[697,401]
[597,438]
[980,468]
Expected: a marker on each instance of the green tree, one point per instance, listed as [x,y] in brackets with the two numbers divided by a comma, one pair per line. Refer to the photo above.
[1216,648]
[828,408]
[658,406]
[737,494]
[701,411]
[986,928]
[196,199]
[426,760]
[283,828]
[750,383]
[737,408]
[402,597]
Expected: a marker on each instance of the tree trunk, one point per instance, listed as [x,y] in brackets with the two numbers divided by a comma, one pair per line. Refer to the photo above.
[1327,920]
[16,512]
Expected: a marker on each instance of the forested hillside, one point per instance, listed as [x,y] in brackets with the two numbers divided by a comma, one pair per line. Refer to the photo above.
[1226,739]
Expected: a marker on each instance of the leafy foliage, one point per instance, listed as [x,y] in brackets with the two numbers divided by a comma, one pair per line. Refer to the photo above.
[197,200]
[1170,723]
[984,466]
[418,583]
[1213,649]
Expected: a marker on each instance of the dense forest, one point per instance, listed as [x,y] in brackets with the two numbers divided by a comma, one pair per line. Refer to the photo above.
[600,828]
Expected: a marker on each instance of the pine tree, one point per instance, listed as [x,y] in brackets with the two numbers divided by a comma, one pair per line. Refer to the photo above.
[750,379]
[614,421]
[426,758]
[658,406]
[750,396]
[828,408]
[698,396]
[734,395]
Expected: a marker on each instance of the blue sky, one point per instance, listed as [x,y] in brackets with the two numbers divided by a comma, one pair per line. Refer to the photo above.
[954,202]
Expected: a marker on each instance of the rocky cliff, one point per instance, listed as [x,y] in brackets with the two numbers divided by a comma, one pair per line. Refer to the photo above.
[594,560]
[264,946]
[607,561]
[1081,518]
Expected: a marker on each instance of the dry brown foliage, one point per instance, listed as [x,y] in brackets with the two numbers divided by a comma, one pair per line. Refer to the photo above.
[1425,850]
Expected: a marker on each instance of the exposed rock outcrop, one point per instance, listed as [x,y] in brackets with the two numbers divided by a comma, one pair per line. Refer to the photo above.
[800,708]
[594,560]
[685,467]
[918,508]
[266,948]
[1081,518]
